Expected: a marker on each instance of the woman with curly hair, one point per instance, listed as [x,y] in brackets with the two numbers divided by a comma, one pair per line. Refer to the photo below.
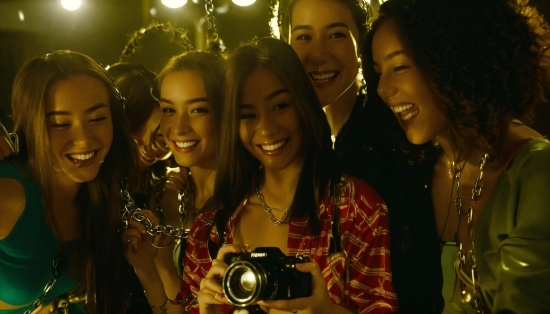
[464,74]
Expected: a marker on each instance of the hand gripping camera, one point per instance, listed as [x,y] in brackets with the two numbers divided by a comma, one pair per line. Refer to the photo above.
[265,273]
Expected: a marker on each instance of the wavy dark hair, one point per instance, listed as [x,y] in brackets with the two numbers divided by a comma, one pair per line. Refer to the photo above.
[487,62]
[135,82]
[103,266]
[237,168]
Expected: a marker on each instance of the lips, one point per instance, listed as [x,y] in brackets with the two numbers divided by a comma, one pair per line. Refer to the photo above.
[82,159]
[187,144]
[275,146]
[322,77]
[405,111]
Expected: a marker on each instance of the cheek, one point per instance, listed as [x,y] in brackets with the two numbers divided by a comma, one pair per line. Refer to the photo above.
[108,135]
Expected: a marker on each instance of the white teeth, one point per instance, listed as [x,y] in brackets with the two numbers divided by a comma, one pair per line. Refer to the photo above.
[274,146]
[398,109]
[82,157]
[323,77]
[186,144]
[409,115]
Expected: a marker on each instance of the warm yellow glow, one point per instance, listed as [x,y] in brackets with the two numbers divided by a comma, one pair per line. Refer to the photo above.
[243,3]
[174,4]
[71,5]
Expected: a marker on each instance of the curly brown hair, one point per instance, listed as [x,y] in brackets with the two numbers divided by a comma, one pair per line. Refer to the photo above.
[488,62]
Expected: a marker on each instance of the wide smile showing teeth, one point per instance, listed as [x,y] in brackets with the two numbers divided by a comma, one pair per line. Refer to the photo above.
[275,146]
[322,78]
[409,115]
[186,144]
[401,110]
[81,157]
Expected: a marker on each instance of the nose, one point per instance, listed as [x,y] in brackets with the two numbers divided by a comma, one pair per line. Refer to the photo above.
[82,135]
[182,124]
[318,54]
[385,88]
[267,126]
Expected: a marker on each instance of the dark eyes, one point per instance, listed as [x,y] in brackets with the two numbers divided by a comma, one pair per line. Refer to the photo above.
[281,106]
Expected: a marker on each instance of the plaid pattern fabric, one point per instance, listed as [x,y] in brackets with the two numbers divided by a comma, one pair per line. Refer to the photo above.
[365,259]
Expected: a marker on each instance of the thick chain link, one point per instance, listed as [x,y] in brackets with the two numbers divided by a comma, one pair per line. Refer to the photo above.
[470,280]
[131,211]
[211,20]
[57,269]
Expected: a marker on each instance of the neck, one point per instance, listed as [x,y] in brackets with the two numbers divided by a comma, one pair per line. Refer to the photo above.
[279,186]
[340,109]
[204,179]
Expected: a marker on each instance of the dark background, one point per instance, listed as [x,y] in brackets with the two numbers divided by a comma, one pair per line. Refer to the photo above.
[103,28]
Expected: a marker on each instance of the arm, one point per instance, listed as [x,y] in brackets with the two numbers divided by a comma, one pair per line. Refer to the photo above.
[366,239]
[141,255]
[12,205]
[525,253]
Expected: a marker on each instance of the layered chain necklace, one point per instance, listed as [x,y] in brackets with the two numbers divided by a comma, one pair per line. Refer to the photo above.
[465,263]
[269,210]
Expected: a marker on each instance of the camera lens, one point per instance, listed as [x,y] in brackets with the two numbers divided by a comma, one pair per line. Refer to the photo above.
[248,281]
[245,282]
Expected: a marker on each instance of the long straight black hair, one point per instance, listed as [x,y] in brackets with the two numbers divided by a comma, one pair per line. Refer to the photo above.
[237,168]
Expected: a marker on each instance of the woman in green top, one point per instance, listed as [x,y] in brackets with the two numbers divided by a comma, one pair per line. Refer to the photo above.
[462,73]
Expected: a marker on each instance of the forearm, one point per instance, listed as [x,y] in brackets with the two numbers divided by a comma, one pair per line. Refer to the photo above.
[155,293]
[168,273]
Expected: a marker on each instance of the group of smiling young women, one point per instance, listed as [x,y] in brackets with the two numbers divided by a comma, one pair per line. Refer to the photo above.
[429,159]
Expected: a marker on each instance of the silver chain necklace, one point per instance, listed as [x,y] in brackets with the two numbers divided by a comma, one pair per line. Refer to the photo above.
[469,280]
[269,210]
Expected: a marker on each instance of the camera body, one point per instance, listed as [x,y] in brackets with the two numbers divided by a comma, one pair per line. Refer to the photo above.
[265,273]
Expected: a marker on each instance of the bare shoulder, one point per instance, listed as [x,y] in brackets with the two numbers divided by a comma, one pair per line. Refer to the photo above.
[519,132]
[12,205]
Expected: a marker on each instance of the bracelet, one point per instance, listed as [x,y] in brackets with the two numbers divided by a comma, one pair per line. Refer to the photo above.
[161,307]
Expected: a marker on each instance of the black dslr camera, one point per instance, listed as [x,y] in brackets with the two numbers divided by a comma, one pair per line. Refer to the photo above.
[265,273]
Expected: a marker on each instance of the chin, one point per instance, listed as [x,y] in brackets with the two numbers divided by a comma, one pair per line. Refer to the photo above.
[417,139]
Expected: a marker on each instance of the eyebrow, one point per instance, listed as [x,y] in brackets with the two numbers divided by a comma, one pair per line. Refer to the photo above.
[268,97]
[187,102]
[391,55]
[332,25]
[89,110]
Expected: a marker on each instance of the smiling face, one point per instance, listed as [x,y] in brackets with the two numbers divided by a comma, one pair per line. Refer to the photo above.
[80,127]
[403,87]
[150,142]
[324,35]
[187,121]
[269,125]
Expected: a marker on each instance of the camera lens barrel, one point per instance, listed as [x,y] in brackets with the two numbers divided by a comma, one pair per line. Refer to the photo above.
[246,282]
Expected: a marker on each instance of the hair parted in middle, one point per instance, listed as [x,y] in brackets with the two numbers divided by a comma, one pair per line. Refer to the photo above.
[237,168]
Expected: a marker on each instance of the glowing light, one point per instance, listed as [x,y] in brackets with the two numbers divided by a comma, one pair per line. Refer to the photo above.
[21,16]
[174,4]
[243,3]
[71,5]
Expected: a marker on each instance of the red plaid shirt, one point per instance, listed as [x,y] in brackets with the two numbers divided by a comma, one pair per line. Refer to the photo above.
[364,236]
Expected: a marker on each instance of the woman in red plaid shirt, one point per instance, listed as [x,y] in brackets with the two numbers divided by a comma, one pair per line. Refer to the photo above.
[278,185]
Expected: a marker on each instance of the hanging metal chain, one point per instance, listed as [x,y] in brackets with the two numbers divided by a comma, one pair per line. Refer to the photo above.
[57,269]
[131,211]
[179,36]
[463,260]
[212,32]
[274,20]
